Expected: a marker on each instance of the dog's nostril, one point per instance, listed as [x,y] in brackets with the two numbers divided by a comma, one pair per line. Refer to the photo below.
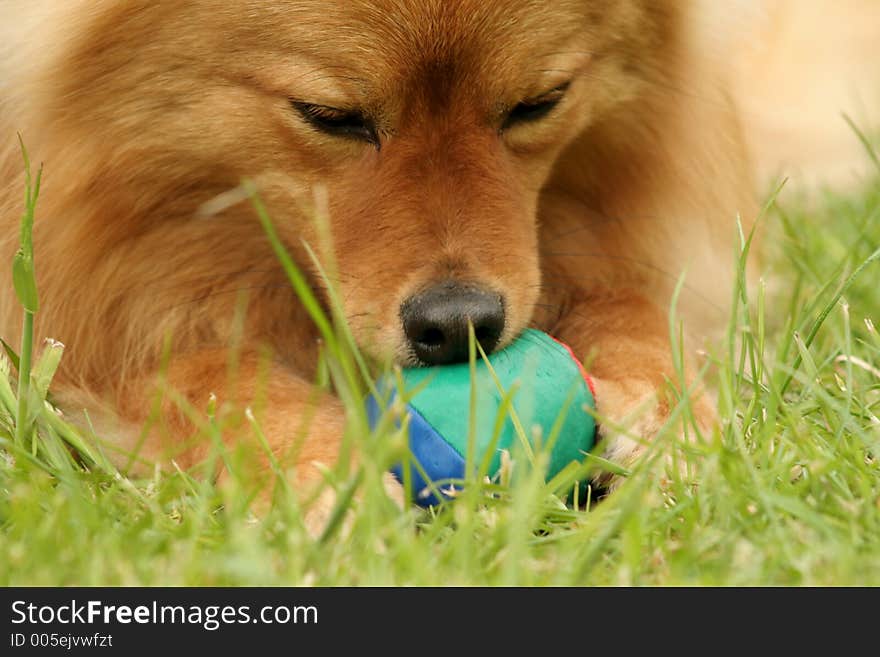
[436,322]
[484,334]
[432,337]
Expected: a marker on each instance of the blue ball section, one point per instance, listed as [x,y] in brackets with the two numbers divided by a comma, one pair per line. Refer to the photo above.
[536,376]
[435,455]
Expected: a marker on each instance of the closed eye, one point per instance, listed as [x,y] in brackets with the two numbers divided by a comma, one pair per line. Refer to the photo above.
[349,124]
[535,109]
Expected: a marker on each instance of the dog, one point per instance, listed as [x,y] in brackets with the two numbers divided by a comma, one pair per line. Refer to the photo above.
[508,163]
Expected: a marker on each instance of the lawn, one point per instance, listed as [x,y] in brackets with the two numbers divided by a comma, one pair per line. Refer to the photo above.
[787,490]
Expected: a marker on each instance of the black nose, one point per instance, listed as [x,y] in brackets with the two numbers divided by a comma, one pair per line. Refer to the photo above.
[436,322]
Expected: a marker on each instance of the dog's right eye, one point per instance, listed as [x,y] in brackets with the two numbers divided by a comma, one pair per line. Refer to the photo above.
[351,124]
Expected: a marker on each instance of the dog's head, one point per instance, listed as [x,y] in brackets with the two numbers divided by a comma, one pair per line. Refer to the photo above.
[429,127]
[433,126]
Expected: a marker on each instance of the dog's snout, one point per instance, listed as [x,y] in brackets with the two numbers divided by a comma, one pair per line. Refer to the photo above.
[436,322]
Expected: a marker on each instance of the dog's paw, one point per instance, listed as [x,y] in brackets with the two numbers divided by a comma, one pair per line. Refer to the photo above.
[633,413]
[394,490]
[320,511]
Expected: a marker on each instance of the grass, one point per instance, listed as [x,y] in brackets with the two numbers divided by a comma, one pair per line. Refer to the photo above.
[788,490]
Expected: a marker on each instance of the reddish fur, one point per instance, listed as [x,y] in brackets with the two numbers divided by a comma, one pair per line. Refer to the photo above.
[143,112]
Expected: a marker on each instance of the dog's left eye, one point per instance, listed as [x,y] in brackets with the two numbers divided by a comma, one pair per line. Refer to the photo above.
[351,124]
[535,109]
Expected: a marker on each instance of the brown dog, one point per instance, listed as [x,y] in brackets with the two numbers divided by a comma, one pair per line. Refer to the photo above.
[509,162]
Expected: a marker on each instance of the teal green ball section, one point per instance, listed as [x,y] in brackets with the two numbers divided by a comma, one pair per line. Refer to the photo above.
[547,381]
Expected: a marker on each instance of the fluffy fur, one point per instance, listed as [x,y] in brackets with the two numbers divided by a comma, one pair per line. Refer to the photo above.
[799,67]
[147,113]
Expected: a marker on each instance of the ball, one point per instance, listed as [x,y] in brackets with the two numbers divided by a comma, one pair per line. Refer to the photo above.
[536,376]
